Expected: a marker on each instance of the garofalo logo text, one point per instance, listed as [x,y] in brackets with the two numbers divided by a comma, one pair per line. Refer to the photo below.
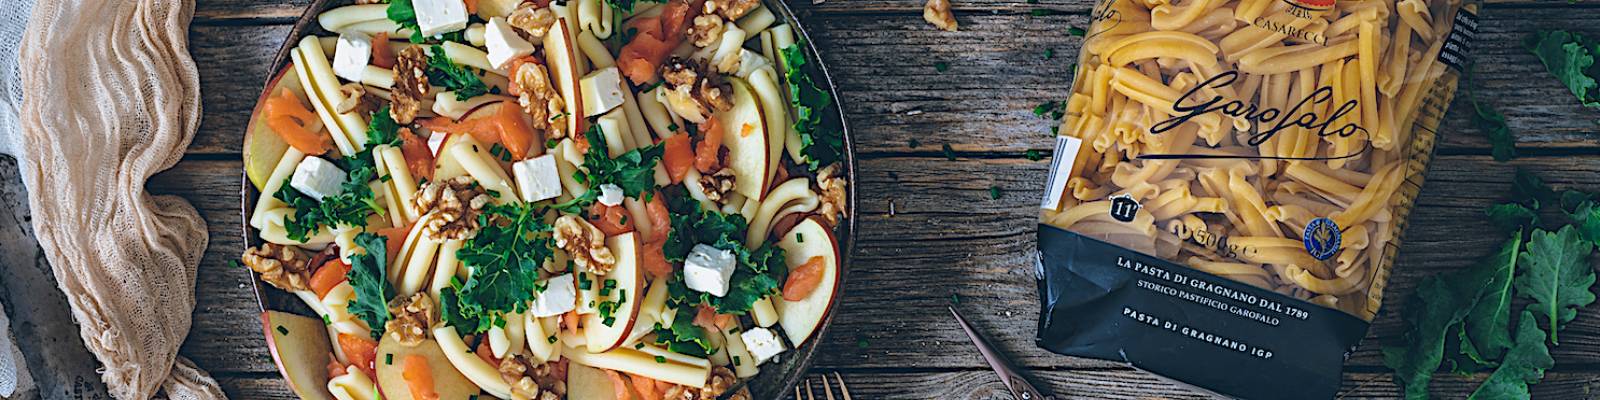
[1264,123]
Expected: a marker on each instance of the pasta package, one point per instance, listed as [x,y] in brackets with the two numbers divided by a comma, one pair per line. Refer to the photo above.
[1231,180]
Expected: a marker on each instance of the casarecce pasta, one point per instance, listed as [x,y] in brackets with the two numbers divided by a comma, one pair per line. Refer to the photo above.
[1237,128]
[546,200]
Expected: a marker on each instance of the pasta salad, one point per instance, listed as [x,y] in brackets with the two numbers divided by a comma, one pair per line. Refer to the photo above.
[545,200]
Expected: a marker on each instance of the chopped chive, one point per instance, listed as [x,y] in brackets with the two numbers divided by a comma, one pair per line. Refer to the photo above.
[736,361]
[1033,155]
[994,192]
[283,330]
[638,346]
[1041,12]
[388,359]
[914,143]
[949,154]
[1049,53]
[672,127]
[661,360]
[941,66]
[955,299]
[800,237]
[862,343]
[551,339]
[1075,31]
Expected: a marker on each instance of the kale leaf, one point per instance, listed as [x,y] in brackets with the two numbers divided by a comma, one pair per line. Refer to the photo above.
[368,276]
[1557,276]
[819,141]
[1484,332]
[682,336]
[633,171]
[1571,59]
[1524,364]
[504,257]
[444,72]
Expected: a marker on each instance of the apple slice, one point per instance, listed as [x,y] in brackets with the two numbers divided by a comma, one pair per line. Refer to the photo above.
[445,165]
[262,146]
[589,383]
[628,294]
[561,54]
[447,381]
[749,148]
[809,238]
[299,345]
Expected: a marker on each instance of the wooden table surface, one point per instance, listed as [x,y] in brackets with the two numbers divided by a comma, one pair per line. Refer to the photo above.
[930,234]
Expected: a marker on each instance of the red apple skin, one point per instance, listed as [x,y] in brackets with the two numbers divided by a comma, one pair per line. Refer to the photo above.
[283,367]
[637,298]
[838,281]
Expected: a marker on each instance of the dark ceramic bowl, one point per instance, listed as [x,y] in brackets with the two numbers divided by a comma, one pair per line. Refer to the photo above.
[775,379]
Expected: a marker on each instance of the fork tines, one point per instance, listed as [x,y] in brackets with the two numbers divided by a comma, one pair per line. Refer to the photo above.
[827,390]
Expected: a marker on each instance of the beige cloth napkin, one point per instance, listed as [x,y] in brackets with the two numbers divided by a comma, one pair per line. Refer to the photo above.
[111,97]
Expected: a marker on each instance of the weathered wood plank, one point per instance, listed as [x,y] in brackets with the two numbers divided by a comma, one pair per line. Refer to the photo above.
[1100,384]
[947,241]
[223,11]
[218,11]
[997,72]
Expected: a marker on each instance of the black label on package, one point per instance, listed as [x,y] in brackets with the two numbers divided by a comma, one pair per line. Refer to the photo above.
[1104,301]
[1459,42]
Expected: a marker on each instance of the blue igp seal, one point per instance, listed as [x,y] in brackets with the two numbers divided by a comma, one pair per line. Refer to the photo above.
[1321,238]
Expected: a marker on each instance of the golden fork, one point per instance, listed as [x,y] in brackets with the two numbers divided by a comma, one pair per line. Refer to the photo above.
[827,390]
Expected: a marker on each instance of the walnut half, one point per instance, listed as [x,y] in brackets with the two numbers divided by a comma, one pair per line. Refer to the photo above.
[719,382]
[730,9]
[456,203]
[283,267]
[707,29]
[413,318]
[537,96]
[410,84]
[691,91]
[834,197]
[585,244]
[937,12]
[530,381]
[717,185]
[532,19]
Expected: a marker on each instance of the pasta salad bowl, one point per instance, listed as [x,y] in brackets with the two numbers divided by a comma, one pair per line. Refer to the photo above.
[547,200]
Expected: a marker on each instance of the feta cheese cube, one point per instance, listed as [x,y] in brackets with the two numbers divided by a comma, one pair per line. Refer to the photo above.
[761,343]
[351,55]
[708,269]
[610,195]
[560,295]
[504,43]
[438,17]
[317,178]
[537,178]
[602,91]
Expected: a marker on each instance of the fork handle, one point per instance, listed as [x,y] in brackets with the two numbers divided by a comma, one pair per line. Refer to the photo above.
[1026,391]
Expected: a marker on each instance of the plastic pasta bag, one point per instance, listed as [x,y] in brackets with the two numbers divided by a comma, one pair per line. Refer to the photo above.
[1231,181]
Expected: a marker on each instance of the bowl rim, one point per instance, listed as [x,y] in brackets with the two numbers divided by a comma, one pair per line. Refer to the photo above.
[792,371]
